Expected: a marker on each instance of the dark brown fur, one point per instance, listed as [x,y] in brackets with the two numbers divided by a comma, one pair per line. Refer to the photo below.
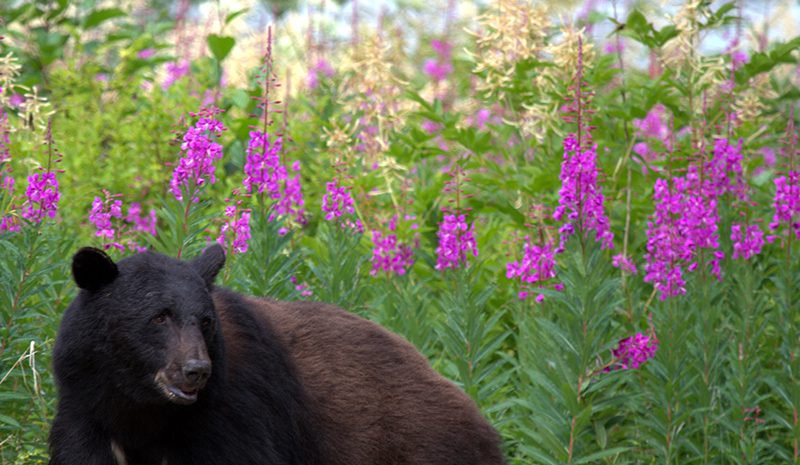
[378,400]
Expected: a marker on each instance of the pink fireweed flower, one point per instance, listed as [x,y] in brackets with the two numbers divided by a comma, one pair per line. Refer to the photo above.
[292,201]
[436,70]
[787,202]
[101,214]
[768,156]
[442,66]
[653,127]
[430,127]
[538,265]
[700,219]
[724,171]
[654,124]
[262,168]
[7,183]
[337,201]
[666,245]
[320,68]
[389,255]
[685,220]
[238,225]
[747,243]
[581,198]
[456,240]
[738,56]
[141,223]
[42,197]
[303,288]
[16,100]
[175,71]
[9,224]
[146,53]
[482,117]
[633,351]
[624,263]
[200,150]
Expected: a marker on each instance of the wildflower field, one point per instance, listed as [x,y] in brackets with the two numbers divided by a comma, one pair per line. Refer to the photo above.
[586,214]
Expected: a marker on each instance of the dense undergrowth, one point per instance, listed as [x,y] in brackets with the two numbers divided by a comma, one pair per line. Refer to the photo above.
[595,235]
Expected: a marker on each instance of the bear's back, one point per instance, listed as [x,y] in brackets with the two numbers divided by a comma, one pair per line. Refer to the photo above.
[379,400]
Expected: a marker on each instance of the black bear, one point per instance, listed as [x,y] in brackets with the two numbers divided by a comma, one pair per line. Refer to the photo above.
[156,365]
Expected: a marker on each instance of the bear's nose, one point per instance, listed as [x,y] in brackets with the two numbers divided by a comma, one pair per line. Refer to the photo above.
[197,371]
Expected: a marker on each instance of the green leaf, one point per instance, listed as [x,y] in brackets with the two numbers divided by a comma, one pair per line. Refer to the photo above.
[597,456]
[220,46]
[637,22]
[102,15]
[235,15]
[12,395]
[9,421]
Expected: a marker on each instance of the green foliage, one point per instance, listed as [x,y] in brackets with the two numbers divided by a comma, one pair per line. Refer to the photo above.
[34,288]
[220,46]
[336,260]
[571,410]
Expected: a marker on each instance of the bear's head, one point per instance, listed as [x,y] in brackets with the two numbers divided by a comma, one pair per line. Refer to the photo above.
[146,325]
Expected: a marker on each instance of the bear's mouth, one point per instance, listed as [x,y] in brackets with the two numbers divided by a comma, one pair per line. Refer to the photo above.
[183,395]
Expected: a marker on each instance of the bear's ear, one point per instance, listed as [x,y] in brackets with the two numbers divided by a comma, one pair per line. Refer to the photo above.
[93,269]
[208,264]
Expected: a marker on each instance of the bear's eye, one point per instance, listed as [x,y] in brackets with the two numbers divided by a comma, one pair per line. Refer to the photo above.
[161,318]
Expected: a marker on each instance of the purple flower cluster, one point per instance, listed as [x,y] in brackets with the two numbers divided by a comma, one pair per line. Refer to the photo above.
[264,172]
[292,201]
[101,214]
[787,202]
[262,168]
[9,223]
[442,66]
[146,53]
[747,243]
[389,254]
[139,222]
[700,220]
[200,151]
[666,247]
[581,198]
[654,124]
[238,225]
[633,351]
[653,127]
[7,183]
[624,263]
[738,57]
[538,265]
[303,288]
[42,197]
[337,201]
[725,170]
[321,68]
[175,71]
[456,240]
[684,221]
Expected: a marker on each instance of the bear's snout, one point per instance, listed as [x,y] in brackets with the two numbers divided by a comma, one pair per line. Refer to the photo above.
[197,372]
[188,366]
